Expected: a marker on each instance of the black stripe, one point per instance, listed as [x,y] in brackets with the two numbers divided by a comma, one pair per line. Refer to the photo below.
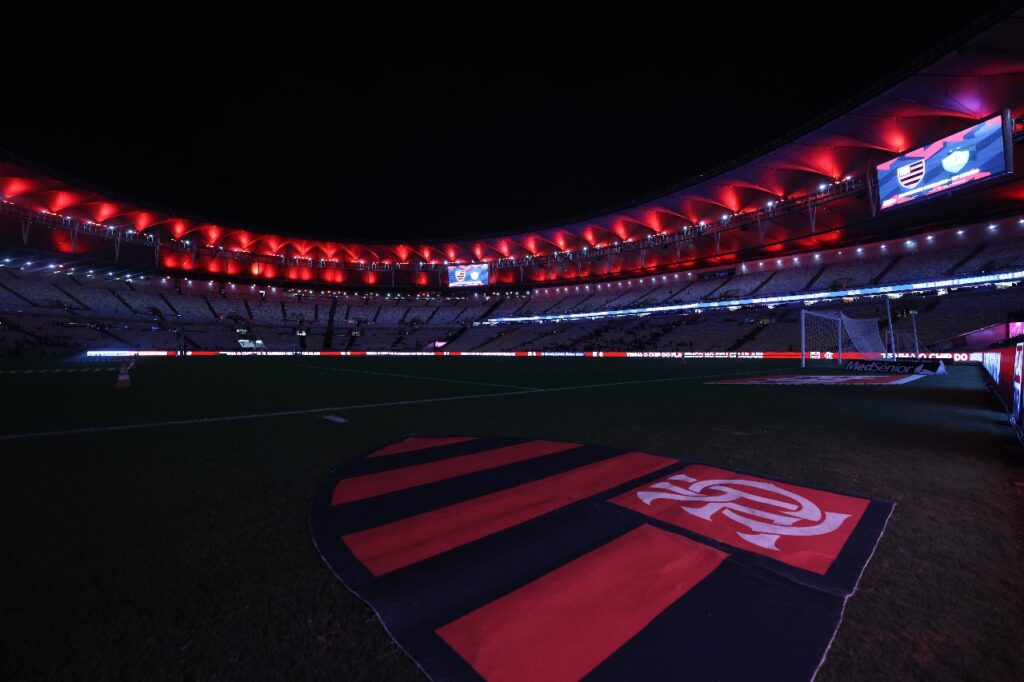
[376,511]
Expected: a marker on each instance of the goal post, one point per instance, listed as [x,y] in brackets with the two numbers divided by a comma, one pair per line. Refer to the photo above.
[827,335]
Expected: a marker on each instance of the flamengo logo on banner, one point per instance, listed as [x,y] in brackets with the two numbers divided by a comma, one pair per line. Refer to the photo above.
[802,527]
[766,526]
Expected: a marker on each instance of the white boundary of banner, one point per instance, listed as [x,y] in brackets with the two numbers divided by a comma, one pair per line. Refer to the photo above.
[846,599]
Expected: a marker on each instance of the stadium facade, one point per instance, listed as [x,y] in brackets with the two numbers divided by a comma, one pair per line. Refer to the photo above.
[916,189]
[816,190]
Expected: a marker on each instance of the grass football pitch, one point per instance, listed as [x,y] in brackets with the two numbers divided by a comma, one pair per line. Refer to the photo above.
[160,531]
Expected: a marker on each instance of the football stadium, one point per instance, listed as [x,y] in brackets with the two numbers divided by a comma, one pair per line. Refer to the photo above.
[764,424]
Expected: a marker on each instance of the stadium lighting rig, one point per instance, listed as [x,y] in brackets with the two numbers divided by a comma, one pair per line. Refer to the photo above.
[826,192]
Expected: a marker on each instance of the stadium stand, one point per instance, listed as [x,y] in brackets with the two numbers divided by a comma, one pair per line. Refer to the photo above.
[855,273]
[49,311]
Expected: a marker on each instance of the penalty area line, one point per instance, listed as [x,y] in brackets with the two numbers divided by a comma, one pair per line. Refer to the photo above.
[365,406]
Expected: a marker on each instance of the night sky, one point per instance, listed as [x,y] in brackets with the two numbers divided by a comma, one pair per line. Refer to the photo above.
[432,122]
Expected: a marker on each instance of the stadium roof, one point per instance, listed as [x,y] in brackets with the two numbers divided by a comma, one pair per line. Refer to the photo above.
[806,192]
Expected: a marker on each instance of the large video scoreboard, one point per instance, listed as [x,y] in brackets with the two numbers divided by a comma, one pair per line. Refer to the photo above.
[475,275]
[978,153]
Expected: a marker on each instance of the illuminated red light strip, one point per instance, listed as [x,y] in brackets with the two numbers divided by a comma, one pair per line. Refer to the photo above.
[688,355]
[393,480]
[405,542]
[566,623]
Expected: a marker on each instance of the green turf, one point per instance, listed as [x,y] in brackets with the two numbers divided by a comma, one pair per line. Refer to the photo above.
[183,551]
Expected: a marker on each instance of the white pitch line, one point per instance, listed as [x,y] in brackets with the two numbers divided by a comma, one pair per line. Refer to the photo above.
[416,376]
[54,370]
[366,406]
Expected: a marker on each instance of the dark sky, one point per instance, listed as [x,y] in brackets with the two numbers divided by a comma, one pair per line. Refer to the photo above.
[435,122]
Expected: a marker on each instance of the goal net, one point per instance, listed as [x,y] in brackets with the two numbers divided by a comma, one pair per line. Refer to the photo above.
[907,342]
[825,336]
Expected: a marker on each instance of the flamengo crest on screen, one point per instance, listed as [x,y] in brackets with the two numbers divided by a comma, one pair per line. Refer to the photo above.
[910,176]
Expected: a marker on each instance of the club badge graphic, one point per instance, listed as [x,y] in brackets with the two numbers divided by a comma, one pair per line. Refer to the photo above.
[747,503]
[910,176]
[460,275]
[511,559]
[955,161]
[799,526]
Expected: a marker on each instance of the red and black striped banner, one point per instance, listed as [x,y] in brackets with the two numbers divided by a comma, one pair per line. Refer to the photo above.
[511,559]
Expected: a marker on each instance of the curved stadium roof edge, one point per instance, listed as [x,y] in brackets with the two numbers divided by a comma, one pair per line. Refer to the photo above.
[975,75]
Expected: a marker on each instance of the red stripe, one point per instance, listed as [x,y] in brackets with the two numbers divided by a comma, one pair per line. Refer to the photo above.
[401,543]
[566,623]
[410,444]
[372,485]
